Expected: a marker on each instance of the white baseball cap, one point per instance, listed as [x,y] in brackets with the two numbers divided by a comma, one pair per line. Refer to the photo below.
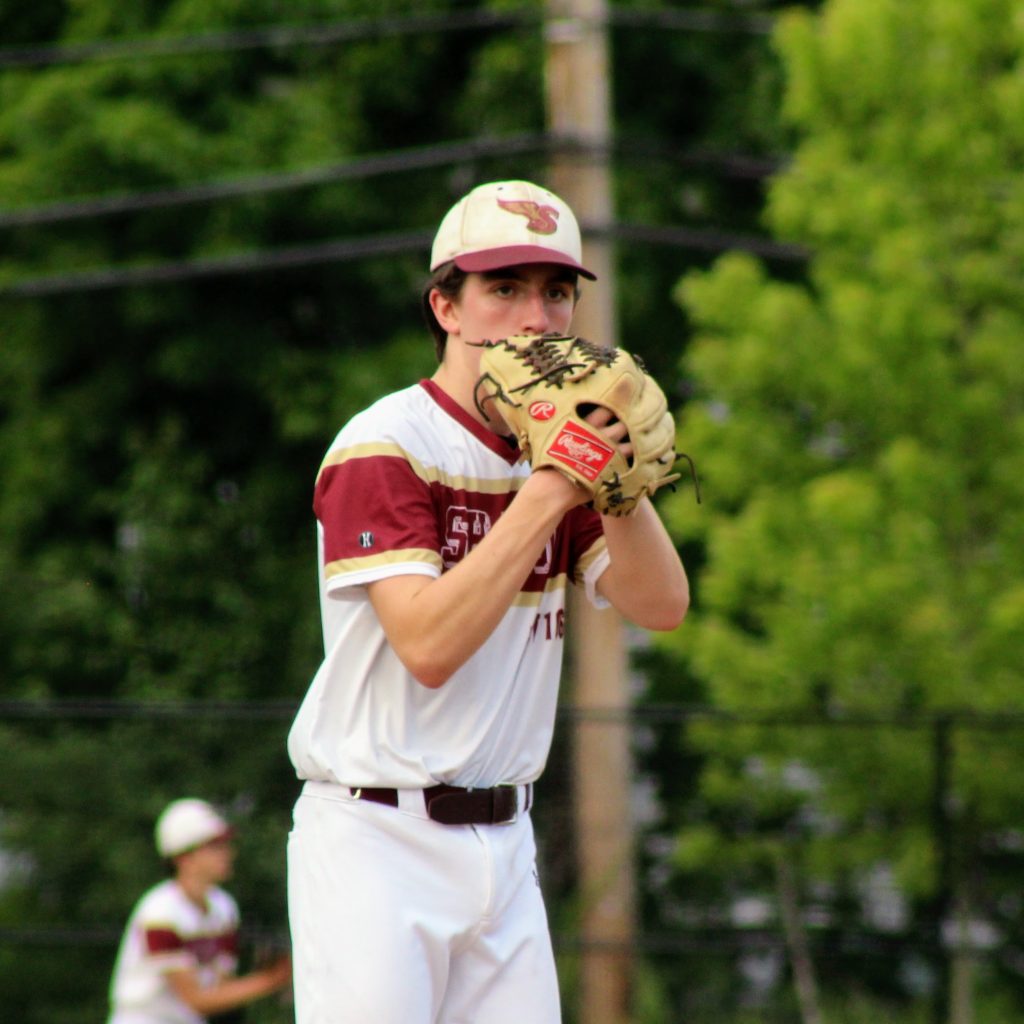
[186,824]
[505,223]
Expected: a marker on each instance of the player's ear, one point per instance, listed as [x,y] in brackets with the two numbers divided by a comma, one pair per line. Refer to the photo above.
[445,310]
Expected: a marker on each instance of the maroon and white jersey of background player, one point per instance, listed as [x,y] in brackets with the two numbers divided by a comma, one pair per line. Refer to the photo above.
[411,485]
[168,932]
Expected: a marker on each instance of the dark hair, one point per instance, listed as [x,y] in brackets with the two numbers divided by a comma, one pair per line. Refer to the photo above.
[448,280]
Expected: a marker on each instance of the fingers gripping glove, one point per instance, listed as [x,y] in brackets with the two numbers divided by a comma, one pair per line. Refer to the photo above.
[544,386]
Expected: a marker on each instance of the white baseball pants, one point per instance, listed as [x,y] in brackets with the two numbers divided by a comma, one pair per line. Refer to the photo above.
[397,919]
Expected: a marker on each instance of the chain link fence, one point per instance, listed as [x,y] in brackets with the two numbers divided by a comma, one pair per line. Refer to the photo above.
[760,926]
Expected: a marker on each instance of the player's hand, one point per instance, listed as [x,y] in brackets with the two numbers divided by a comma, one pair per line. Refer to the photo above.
[604,420]
[551,485]
[279,973]
[617,433]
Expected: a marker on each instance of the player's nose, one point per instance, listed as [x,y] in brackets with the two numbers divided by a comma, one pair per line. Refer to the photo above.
[535,318]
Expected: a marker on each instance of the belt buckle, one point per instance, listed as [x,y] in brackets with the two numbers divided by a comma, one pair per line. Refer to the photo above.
[501,788]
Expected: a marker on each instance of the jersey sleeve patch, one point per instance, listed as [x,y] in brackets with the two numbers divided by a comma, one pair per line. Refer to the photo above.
[373,505]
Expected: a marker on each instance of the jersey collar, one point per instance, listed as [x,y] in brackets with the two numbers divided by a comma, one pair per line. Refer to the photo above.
[503,446]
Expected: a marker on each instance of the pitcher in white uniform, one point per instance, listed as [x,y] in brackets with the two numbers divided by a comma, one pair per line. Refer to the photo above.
[443,569]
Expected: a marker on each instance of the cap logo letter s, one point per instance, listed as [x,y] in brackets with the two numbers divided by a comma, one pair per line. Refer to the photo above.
[541,220]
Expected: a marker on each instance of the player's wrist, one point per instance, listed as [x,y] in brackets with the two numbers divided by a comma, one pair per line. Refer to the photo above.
[552,486]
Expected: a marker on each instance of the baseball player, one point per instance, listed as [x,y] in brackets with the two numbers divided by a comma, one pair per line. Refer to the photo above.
[443,567]
[178,957]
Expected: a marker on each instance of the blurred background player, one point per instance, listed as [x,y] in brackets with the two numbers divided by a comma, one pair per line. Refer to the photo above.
[179,954]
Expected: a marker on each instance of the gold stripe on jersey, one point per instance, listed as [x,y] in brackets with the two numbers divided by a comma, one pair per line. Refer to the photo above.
[428,474]
[586,560]
[532,598]
[346,565]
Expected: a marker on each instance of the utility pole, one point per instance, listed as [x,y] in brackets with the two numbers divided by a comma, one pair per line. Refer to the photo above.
[579,114]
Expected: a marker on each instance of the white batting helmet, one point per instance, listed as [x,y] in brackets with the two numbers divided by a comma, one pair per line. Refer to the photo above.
[186,824]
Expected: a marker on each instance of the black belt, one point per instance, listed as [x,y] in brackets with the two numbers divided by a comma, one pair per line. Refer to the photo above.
[453,805]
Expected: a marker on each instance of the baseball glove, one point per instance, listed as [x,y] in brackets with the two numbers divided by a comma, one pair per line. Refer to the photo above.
[544,386]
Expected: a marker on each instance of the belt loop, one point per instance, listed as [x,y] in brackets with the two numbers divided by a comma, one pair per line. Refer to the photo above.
[413,801]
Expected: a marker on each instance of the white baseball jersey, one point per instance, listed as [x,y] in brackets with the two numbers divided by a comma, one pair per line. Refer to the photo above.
[410,485]
[168,932]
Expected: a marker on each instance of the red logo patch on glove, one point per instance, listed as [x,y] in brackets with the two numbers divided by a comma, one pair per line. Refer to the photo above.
[542,410]
[585,453]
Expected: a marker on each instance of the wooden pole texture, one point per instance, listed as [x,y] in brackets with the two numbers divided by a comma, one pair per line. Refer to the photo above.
[578,88]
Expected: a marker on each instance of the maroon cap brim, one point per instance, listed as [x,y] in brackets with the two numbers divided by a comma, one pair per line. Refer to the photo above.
[220,837]
[514,255]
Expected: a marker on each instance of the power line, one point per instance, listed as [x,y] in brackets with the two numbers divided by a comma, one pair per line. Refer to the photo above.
[692,20]
[737,165]
[358,168]
[343,250]
[335,32]
[286,258]
[270,36]
[710,240]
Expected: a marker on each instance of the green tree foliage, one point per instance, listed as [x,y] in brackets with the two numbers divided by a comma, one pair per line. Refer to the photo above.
[697,134]
[859,437]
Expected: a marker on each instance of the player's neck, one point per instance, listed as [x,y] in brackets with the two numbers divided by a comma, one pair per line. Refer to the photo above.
[458,380]
[195,888]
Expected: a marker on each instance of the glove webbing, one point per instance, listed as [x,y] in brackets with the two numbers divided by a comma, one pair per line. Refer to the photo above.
[548,357]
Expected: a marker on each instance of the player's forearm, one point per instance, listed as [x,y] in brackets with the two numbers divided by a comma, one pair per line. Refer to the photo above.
[646,581]
[230,993]
[435,627]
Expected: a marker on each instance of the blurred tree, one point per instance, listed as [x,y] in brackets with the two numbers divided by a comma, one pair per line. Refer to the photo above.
[859,440]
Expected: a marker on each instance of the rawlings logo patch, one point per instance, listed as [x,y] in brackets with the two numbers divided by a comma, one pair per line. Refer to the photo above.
[583,452]
[542,410]
[542,220]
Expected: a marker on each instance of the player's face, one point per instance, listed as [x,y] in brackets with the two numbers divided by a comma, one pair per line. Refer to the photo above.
[215,860]
[534,298]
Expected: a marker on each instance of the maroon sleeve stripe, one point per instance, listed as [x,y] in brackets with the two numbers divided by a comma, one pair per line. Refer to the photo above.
[163,940]
[373,504]
[586,530]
